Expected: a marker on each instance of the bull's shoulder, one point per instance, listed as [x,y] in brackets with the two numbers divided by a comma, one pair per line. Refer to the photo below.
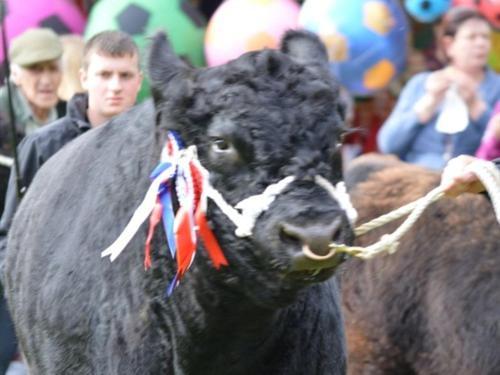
[91,170]
[120,138]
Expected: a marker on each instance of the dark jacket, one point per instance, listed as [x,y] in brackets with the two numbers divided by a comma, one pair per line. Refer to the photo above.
[36,148]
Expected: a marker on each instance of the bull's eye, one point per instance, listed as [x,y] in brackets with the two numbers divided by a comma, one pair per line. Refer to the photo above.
[223,151]
[221,146]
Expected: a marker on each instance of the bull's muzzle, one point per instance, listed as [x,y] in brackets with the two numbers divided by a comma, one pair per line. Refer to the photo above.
[315,240]
[302,262]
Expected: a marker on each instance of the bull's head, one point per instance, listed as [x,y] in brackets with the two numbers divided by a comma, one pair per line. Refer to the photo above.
[255,121]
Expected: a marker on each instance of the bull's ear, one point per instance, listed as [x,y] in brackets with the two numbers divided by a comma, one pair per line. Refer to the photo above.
[305,47]
[167,72]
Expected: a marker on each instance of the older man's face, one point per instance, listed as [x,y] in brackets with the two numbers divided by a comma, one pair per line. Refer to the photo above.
[39,83]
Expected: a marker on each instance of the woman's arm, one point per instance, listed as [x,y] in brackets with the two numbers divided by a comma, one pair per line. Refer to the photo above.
[405,121]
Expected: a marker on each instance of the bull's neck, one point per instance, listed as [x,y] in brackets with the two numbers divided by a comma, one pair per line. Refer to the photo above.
[221,329]
[215,330]
[224,309]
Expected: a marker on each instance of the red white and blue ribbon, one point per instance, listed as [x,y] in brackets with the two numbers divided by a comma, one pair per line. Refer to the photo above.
[179,169]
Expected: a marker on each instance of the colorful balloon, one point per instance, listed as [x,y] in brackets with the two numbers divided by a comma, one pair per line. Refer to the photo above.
[84,5]
[491,10]
[63,16]
[464,3]
[183,23]
[366,40]
[240,26]
[427,10]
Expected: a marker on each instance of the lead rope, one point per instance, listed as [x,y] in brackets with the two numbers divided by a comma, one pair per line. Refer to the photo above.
[487,173]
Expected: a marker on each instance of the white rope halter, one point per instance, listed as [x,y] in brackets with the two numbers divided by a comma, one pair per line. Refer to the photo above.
[244,215]
[252,207]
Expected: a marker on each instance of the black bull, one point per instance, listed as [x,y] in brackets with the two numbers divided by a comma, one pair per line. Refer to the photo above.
[256,120]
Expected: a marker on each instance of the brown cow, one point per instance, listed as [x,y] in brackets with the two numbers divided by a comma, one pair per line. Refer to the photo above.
[432,307]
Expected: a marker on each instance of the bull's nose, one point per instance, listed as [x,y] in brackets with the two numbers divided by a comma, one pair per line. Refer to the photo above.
[316,237]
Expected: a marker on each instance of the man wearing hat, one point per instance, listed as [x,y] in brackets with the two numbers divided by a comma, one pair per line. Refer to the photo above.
[35,77]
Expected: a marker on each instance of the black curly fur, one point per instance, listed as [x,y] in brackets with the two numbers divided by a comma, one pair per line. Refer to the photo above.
[277,114]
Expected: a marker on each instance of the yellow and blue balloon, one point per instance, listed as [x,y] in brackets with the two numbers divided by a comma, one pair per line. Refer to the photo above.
[367,40]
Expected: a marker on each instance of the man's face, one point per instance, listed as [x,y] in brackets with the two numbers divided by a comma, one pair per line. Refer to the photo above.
[112,84]
[39,83]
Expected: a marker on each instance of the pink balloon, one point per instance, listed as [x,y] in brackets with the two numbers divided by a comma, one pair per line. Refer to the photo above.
[239,26]
[464,3]
[63,16]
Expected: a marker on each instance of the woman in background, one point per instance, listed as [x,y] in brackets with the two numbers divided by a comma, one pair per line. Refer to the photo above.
[464,86]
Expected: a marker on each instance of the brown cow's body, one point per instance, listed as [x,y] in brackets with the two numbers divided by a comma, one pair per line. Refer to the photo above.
[433,307]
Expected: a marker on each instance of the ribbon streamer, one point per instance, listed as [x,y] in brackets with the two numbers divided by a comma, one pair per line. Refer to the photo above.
[140,215]
[178,168]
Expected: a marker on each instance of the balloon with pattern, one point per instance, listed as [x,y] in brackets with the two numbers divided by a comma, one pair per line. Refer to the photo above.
[240,26]
[491,10]
[367,40]
[427,10]
[84,5]
[183,23]
[62,16]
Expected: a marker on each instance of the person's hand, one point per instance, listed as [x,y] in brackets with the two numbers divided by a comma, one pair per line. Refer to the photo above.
[468,89]
[438,83]
[466,86]
[436,86]
[457,179]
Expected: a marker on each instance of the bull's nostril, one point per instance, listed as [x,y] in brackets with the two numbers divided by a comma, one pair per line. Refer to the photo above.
[317,237]
[289,234]
[337,235]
